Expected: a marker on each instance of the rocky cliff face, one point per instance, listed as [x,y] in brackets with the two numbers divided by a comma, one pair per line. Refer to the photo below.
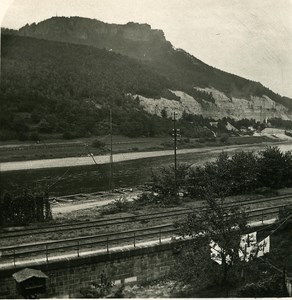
[258,108]
[131,39]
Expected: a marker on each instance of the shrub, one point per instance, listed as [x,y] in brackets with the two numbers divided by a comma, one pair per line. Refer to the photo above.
[68,135]
[117,206]
[34,136]
[270,287]
[104,289]
[22,136]
[164,185]
[285,212]
[98,144]
[224,138]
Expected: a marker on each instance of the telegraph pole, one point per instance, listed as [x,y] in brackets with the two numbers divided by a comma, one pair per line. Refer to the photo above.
[175,134]
[111,152]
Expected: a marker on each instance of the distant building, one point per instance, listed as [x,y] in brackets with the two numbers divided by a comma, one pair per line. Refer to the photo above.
[230,127]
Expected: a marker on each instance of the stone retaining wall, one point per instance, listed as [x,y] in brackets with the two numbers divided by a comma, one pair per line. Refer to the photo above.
[66,277]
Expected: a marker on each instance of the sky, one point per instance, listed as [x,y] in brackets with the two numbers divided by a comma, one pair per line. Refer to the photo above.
[249,38]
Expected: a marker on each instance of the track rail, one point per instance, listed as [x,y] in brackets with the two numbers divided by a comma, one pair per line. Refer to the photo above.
[103,242]
[129,219]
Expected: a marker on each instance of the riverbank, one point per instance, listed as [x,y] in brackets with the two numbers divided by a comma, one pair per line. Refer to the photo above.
[25,151]
[121,157]
[94,178]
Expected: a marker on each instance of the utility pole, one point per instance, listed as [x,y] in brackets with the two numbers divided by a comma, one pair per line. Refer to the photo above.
[175,134]
[111,152]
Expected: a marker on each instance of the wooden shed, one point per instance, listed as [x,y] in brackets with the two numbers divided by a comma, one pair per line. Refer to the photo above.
[30,282]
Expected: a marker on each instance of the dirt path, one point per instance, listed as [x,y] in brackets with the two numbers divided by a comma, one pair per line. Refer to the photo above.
[95,201]
[103,159]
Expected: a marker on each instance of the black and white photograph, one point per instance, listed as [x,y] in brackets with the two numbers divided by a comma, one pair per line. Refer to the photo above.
[145,149]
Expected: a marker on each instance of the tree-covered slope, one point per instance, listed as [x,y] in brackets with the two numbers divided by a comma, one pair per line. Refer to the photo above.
[62,75]
[59,87]
[149,45]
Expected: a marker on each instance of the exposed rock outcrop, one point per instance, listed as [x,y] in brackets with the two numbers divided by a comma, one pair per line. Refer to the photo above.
[132,39]
[258,108]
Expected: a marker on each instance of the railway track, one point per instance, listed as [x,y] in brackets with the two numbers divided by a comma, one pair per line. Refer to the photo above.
[129,219]
[101,243]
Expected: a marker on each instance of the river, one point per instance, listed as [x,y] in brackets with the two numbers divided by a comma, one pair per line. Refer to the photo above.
[63,176]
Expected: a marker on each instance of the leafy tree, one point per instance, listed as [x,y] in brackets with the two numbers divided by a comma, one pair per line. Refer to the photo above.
[194,267]
[213,172]
[272,165]
[163,181]
[23,206]
[243,172]
[218,224]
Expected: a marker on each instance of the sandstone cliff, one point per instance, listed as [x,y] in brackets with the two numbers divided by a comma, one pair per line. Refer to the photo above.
[258,108]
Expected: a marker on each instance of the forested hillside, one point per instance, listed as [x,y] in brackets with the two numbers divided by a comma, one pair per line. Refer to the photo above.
[52,87]
[149,46]
[62,83]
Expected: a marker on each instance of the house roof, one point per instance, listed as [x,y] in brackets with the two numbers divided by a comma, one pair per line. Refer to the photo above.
[28,273]
[230,127]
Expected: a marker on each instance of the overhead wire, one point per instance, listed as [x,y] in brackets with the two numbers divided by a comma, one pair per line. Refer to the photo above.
[60,178]
[64,174]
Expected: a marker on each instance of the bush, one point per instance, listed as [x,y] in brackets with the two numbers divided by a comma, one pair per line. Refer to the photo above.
[34,136]
[68,135]
[202,140]
[163,183]
[98,144]
[22,136]
[270,287]
[285,212]
[147,198]
[167,144]
[104,289]
[118,206]
[224,138]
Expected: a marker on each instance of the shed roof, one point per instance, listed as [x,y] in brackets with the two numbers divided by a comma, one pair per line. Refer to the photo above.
[28,273]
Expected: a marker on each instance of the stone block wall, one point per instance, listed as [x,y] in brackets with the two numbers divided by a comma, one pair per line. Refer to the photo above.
[66,277]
